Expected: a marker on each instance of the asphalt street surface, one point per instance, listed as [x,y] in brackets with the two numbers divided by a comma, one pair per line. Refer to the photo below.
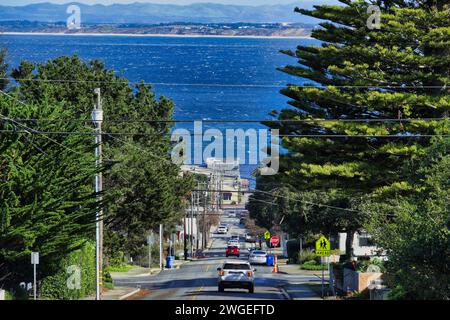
[197,280]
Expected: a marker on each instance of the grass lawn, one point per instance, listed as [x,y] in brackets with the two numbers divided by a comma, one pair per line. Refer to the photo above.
[124,268]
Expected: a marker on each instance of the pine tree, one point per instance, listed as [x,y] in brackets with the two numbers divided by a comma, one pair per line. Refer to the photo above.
[142,186]
[3,70]
[358,77]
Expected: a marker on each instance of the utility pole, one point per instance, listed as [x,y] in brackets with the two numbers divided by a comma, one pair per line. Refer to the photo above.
[205,215]
[184,236]
[97,118]
[197,211]
[150,240]
[161,246]
[191,235]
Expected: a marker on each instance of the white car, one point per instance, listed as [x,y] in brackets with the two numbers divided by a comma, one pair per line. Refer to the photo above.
[222,229]
[236,274]
[257,257]
[234,242]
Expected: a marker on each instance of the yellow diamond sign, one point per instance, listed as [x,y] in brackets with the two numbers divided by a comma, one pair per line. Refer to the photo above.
[267,235]
[323,247]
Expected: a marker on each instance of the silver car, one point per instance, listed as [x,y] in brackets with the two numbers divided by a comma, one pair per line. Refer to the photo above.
[257,257]
[236,274]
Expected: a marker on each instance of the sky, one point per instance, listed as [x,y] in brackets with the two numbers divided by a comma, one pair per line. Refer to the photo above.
[241,2]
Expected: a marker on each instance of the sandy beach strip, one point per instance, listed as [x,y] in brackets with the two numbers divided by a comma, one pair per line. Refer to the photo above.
[146,35]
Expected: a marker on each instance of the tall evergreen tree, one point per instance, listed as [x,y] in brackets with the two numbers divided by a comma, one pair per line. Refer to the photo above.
[413,226]
[47,203]
[143,187]
[360,76]
[3,70]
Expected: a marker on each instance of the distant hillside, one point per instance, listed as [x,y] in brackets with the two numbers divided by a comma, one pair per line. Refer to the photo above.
[147,13]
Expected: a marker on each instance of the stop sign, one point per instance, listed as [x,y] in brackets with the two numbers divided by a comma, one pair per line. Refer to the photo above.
[274,240]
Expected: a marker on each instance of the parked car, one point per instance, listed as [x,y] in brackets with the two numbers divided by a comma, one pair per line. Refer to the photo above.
[236,274]
[233,251]
[257,257]
[222,229]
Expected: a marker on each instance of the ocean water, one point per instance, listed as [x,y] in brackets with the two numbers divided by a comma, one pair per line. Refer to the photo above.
[207,78]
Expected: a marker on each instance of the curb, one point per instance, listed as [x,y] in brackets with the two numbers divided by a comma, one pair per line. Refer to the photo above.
[129,294]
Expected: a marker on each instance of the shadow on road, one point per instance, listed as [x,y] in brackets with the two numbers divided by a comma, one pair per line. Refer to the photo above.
[235,293]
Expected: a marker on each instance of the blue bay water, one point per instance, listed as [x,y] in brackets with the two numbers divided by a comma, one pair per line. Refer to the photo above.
[207,78]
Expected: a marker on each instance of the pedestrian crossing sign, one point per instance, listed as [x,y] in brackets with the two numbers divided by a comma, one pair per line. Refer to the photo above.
[267,235]
[323,247]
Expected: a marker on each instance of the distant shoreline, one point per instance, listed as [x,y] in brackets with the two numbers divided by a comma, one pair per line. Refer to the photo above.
[146,35]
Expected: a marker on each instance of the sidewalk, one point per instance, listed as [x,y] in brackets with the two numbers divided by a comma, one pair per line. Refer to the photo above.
[124,292]
[302,289]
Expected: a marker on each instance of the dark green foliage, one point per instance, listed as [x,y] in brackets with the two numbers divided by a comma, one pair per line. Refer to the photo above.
[413,226]
[47,203]
[313,265]
[399,71]
[55,286]
[3,70]
[142,186]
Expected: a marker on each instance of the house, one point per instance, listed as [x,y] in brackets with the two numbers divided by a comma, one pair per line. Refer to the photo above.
[363,245]
[224,175]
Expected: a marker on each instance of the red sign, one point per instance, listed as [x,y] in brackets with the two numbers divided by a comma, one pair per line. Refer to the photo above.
[274,240]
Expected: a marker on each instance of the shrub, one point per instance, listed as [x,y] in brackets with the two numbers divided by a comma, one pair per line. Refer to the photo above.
[16,294]
[398,293]
[107,280]
[117,259]
[56,286]
[313,265]
[306,255]
[121,268]
[8,296]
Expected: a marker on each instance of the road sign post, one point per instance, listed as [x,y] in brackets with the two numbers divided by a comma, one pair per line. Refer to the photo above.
[150,242]
[267,237]
[274,241]
[161,246]
[323,249]
[34,262]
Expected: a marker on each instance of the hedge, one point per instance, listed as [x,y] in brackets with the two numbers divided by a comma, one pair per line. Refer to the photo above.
[56,286]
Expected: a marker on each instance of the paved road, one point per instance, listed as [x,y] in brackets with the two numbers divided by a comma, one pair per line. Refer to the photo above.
[197,280]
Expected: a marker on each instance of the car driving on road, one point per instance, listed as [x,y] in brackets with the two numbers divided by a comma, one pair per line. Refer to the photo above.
[257,257]
[234,242]
[232,251]
[222,229]
[236,274]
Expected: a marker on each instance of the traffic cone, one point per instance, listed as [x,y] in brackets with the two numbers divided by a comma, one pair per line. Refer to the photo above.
[275,265]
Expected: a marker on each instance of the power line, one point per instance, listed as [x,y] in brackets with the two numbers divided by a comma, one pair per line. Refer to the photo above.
[280,196]
[30,130]
[240,120]
[141,149]
[327,136]
[308,202]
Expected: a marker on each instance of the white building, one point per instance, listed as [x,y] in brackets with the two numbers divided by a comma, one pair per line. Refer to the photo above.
[363,245]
